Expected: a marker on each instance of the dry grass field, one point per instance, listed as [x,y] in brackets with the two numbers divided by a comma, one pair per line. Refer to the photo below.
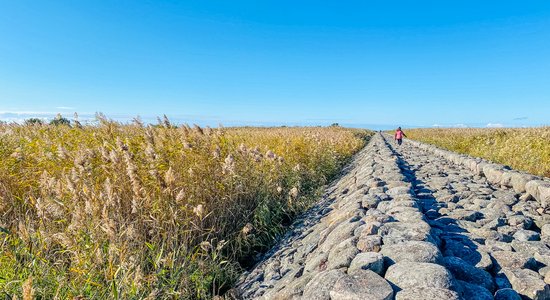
[526,149]
[131,211]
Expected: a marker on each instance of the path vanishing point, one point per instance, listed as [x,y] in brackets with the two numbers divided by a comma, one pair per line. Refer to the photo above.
[414,222]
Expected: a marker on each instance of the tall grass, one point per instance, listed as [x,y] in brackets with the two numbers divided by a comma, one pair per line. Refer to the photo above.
[131,211]
[526,149]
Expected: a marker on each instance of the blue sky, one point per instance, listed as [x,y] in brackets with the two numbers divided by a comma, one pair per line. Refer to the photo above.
[359,63]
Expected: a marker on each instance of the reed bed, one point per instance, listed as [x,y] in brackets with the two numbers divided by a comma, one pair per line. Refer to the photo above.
[128,211]
[526,149]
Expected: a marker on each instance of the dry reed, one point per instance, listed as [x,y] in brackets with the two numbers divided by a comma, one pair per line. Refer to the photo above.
[132,211]
[526,149]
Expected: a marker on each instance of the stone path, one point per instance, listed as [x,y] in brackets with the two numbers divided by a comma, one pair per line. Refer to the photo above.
[404,222]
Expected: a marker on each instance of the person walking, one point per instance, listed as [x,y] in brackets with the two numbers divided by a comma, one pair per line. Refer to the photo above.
[399,134]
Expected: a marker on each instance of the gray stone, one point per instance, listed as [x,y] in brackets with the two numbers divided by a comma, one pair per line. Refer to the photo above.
[371,243]
[397,232]
[497,246]
[467,215]
[411,251]
[493,172]
[363,284]
[341,232]
[545,230]
[342,255]
[398,190]
[528,283]
[523,235]
[466,272]
[514,260]
[540,190]
[367,261]
[407,275]
[531,247]
[316,262]
[519,180]
[520,221]
[426,293]
[485,234]
[370,201]
[320,285]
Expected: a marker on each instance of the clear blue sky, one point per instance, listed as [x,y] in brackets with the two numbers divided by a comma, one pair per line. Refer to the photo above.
[279,62]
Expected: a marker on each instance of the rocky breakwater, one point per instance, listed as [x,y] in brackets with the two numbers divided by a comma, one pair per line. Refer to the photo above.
[492,224]
[367,239]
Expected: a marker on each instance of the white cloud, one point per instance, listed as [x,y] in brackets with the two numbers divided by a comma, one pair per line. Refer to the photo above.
[21,113]
[460,125]
[65,107]
[494,125]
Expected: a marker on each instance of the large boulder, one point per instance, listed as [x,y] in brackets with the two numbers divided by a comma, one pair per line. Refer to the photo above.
[364,284]
[320,285]
[540,190]
[412,251]
[367,261]
[371,243]
[426,293]
[406,275]
[339,233]
[523,235]
[513,260]
[397,232]
[342,255]
[519,180]
[531,248]
[528,283]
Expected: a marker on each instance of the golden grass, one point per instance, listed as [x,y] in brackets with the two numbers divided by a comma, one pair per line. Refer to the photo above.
[130,212]
[526,149]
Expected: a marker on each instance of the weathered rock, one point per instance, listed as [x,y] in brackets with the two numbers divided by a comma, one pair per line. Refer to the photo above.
[426,293]
[341,232]
[371,243]
[397,232]
[540,190]
[411,251]
[514,260]
[467,215]
[520,221]
[466,272]
[367,261]
[320,285]
[363,284]
[316,263]
[497,246]
[342,255]
[398,190]
[407,275]
[531,247]
[523,235]
[528,283]
[370,201]
[545,230]
[519,180]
